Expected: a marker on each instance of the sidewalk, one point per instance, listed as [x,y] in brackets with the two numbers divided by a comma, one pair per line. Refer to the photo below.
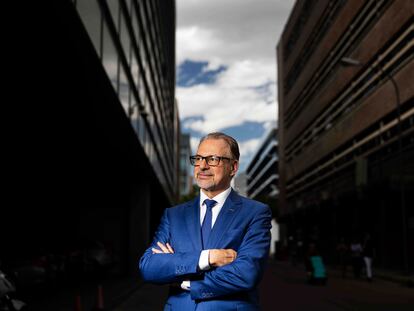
[387,275]
[148,297]
[284,287]
[395,276]
[63,298]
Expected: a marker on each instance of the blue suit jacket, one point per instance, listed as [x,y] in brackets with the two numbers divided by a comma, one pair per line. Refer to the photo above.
[242,224]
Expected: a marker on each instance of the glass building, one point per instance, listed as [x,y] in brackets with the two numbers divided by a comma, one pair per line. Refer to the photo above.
[94,128]
[134,41]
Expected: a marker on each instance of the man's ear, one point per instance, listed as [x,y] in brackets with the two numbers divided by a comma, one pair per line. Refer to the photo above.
[234,168]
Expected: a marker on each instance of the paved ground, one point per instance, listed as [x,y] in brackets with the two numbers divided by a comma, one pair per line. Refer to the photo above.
[147,298]
[284,288]
[62,298]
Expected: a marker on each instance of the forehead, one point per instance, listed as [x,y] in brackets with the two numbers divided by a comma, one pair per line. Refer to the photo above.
[214,147]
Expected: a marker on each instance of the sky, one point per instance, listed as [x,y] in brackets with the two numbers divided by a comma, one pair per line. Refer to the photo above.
[226,68]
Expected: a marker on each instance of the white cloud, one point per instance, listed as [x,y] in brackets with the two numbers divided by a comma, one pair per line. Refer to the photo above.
[194,144]
[193,42]
[247,150]
[230,29]
[241,35]
[249,147]
[231,101]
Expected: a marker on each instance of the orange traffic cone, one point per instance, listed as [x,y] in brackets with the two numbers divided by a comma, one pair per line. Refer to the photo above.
[100,300]
[78,303]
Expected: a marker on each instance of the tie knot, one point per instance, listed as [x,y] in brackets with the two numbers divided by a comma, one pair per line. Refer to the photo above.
[209,203]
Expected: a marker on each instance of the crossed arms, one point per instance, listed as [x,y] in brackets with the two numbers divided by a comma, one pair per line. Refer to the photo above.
[216,257]
[231,272]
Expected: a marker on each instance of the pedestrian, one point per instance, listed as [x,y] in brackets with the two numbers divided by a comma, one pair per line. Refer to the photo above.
[315,268]
[356,257]
[368,253]
[212,250]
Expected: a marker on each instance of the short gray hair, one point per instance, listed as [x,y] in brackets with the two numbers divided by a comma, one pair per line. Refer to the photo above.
[234,146]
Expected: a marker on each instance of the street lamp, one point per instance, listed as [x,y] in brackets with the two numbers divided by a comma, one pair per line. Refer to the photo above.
[351,62]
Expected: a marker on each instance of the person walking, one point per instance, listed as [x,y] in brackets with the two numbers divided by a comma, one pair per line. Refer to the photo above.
[315,267]
[356,257]
[368,253]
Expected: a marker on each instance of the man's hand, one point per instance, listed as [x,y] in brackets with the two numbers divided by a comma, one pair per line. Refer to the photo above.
[165,249]
[221,257]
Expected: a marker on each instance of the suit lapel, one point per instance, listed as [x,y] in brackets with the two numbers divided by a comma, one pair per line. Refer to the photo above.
[224,219]
[193,222]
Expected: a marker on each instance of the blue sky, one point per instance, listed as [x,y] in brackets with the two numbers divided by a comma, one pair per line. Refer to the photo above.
[191,73]
[226,68]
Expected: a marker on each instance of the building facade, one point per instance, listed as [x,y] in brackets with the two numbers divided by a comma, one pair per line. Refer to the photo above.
[134,40]
[261,181]
[186,177]
[262,171]
[346,120]
[94,150]
[239,183]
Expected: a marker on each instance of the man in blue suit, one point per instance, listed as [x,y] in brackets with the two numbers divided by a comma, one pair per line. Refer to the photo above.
[211,250]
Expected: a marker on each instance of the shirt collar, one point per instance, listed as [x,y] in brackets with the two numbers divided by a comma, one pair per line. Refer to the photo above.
[220,198]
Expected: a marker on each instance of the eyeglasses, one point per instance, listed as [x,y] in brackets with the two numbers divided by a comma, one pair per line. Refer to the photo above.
[211,160]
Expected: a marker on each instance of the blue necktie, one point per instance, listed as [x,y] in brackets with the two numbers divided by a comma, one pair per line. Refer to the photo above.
[206,227]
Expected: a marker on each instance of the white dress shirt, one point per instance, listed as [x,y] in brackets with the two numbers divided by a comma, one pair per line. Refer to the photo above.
[203,263]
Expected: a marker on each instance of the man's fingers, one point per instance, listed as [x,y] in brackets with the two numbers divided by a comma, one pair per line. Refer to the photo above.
[230,255]
[233,253]
[156,251]
[163,248]
[170,248]
[166,249]
[221,257]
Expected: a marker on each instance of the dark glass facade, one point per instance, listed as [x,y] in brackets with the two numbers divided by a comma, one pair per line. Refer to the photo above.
[94,131]
[135,42]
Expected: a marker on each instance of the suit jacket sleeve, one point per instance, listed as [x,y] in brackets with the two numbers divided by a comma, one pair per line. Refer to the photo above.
[245,272]
[166,268]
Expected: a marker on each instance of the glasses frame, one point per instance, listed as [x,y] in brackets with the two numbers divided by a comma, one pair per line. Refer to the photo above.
[207,158]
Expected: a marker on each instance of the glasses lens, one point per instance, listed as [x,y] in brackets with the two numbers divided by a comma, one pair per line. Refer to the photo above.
[212,160]
[195,160]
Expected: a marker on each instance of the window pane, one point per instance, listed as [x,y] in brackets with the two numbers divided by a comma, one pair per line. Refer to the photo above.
[124,36]
[114,10]
[90,14]
[110,58]
[124,91]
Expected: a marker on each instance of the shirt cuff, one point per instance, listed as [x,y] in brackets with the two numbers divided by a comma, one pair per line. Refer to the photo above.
[203,263]
[186,285]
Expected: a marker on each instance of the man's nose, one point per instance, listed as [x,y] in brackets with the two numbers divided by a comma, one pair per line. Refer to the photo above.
[204,165]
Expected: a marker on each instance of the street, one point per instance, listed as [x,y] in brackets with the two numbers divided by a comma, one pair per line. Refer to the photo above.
[284,288]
